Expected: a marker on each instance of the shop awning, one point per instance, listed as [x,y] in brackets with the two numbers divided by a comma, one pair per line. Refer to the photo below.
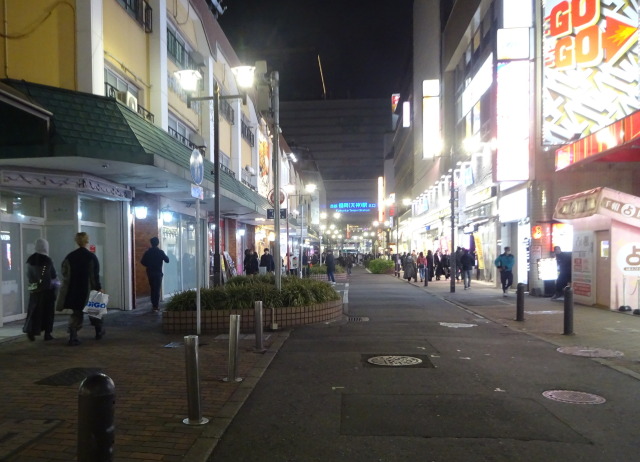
[96,134]
[614,204]
[618,142]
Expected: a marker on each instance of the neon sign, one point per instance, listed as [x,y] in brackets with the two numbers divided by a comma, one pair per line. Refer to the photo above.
[352,207]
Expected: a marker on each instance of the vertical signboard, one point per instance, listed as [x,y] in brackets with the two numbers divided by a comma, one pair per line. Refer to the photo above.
[591,72]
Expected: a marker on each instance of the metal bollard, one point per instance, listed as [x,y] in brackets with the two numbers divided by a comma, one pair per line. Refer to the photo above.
[234,334]
[96,429]
[257,306]
[568,311]
[193,382]
[426,277]
[520,302]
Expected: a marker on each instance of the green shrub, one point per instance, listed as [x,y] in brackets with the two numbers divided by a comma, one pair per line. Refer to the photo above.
[380,265]
[242,291]
[322,269]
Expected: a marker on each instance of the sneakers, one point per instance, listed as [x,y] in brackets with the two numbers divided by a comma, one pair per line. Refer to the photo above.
[47,336]
[73,342]
[100,334]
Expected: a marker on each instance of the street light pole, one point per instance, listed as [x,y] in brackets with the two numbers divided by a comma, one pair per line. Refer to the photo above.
[452,259]
[217,270]
[274,82]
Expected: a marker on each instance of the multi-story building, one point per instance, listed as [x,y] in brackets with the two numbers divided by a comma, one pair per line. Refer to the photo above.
[523,124]
[95,126]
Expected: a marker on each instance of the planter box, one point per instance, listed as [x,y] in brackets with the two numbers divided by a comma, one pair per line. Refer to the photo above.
[217,321]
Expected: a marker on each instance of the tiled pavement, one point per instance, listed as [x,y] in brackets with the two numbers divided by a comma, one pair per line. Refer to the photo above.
[39,422]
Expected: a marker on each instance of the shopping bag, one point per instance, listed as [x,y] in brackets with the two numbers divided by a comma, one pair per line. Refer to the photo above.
[96,306]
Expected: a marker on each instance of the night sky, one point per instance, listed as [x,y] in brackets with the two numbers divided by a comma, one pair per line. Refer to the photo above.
[364,45]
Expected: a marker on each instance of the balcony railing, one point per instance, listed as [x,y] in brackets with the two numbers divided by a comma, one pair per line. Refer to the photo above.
[184,140]
[247,134]
[227,111]
[141,11]
[112,92]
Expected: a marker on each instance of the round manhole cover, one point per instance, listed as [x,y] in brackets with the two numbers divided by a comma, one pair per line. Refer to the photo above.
[390,360]
[590,352]
[573,397]
[456,325]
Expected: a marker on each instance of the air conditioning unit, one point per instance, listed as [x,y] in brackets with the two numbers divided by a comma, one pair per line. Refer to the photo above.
[129,100]
[250,169]
[196,139]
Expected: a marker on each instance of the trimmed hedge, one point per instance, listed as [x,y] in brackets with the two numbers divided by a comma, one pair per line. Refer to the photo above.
[241,292]
[380,265]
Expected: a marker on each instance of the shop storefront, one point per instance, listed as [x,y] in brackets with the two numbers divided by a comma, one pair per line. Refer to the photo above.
[606,246]
[515,232]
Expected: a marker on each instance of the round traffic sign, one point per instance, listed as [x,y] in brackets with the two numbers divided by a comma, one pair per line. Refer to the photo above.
[272,200]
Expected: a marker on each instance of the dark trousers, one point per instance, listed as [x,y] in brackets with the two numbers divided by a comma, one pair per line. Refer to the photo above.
[506,277]
[155,283]
[561,283]
[77,319]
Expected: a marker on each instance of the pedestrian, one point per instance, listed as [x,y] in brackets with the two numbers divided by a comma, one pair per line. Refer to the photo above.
[41,276]
[505,263]
[349,263]
[458,256]
[422,266]
[251,263]
[563,262]
[305,265]
[467,262]
[266,261]
[331,267]
[293,264]
[153,259]
[410,268]
[80,275]
[430,267]
[446,264]
[437,260]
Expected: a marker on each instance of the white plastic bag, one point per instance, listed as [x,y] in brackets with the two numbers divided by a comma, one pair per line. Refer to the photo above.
[97,304]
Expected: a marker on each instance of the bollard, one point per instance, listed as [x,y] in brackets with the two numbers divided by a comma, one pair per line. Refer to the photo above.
[568,311]
[193,382]
[520,302]
[96,430]
[426,276]
[234,334]
[257,306]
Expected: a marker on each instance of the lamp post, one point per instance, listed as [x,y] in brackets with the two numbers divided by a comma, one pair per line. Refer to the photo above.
[452,258]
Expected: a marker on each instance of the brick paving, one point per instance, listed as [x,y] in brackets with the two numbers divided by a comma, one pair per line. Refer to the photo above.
[39,422]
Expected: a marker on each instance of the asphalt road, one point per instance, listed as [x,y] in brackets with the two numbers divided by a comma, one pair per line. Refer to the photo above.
[477,395]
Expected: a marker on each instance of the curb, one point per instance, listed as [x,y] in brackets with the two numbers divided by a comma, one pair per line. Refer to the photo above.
[203,448]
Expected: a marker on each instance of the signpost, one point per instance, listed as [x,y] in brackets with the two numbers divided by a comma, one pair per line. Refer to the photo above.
[196,166]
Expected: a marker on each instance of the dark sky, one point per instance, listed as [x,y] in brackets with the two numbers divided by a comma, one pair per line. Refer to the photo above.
[364,45]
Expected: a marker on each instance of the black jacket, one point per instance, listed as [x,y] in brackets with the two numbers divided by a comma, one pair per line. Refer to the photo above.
[153,259]
[267,260]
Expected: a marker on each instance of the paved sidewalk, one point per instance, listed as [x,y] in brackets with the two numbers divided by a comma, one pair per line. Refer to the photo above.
[594,328]
[39,421]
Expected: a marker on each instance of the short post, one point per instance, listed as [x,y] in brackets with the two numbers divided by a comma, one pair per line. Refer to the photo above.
[426,275]
[520,302]
[193,382]
[568,311]
[234,334]
[96,430]
[258,320]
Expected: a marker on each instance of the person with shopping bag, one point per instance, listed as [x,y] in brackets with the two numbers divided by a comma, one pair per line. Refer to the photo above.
[41,275]
[80,275]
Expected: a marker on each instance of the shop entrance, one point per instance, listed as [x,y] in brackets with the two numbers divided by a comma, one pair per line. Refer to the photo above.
[603,269]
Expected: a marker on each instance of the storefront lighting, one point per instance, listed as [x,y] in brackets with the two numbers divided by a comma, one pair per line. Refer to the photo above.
[241,232]
[140,212]
[167,216]
[272,236]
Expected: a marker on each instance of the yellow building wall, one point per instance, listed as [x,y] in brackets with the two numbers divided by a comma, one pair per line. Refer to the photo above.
[41,44]
[126,47]
[245,154]
[225,136]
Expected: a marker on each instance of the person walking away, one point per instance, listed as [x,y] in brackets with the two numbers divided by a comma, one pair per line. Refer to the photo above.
[505,263]
[410,268]
[422,265]
[41,276]
[247,261]
[446,264]
[305,265]
[467,262]
[252,263]
[293,264]
[266,260]
[458,256]
[331,267]
[439,264]
[430,266]
[80,275]
[563,261]
[153,259]
[349,263]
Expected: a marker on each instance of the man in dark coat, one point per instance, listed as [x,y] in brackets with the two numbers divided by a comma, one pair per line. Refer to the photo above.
[563,261]
[80,275]
[267,261]
[331,267]
[153,259]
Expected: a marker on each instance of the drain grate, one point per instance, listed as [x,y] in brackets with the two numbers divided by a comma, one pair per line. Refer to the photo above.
[421,361]
[590,352]
[69,376]
[573,397]
[358,319]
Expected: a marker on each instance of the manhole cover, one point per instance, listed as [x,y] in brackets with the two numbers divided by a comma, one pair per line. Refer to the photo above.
[590,352]
[69,376]
[358,319]
[573,397]
[457,325]
[391,360]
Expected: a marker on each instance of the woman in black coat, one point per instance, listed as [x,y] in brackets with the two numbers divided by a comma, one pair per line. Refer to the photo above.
[40,275]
